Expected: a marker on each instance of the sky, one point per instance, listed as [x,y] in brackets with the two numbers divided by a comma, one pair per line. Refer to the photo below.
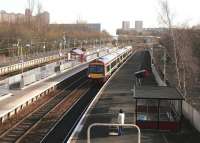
[111,13]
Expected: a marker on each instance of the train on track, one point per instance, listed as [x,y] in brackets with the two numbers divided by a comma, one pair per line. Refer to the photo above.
[102,68]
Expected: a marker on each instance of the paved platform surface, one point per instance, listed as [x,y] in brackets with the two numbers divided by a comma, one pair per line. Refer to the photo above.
[21,96]
[118,95]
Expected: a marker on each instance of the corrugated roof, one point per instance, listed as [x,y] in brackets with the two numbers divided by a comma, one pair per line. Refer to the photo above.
[167,93]
[77,51]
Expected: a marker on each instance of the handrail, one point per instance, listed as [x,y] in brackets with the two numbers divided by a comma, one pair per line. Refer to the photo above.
[107,124]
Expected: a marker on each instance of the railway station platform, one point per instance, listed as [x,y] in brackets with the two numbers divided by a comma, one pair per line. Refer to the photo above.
[118,93]
[17,99]
[21,98]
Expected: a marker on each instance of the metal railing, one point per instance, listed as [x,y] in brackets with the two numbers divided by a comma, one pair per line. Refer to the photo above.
[109,124]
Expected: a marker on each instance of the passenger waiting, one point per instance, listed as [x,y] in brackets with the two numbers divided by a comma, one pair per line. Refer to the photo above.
[140,75]
[121,118]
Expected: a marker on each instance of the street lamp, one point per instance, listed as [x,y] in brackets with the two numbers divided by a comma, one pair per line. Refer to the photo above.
[44,47]
[60,48]
[22,59]
[100,42]
[81,45]
[97,52]
[64,44]
[21,55]
[94,43]
[68,43]
[74,43]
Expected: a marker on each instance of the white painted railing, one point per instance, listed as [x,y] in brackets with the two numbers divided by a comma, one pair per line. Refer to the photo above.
[109,125]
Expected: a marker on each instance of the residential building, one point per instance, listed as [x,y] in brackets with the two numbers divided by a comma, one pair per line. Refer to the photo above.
[125,25]
[139,26]
[92,27]
[13,18]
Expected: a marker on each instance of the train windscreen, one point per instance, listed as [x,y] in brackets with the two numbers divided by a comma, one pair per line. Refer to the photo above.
[96,69]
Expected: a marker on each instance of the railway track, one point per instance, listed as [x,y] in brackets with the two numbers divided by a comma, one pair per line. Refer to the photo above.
[62,130]
[45,115]
[40,102]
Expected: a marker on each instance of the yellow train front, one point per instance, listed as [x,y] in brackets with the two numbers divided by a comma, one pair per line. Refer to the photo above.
[101,69]
[96,71]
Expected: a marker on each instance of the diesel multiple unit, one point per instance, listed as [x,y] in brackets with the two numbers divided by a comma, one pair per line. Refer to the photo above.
[102,68]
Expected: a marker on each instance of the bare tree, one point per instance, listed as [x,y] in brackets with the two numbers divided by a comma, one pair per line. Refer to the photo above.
[181,42]
[38,15]
[166,17]
[39,8]
[31,5]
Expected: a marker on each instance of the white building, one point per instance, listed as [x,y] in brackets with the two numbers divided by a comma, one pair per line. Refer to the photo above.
[125,25]
[139,26]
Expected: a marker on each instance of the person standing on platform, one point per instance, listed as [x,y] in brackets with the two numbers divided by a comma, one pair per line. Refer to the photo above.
[121,118]
[139,77]
[146,73]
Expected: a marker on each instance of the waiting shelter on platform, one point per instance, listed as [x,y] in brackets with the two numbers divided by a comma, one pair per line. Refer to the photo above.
[77,54]
[159,108]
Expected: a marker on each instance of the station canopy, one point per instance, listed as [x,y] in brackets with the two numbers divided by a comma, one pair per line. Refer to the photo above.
[165,93]
[77,52]
[158,108]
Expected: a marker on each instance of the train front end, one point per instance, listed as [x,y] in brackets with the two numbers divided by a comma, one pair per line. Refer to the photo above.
[96,71]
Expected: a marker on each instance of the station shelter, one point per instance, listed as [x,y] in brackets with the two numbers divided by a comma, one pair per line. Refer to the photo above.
[158,108]
[78,54]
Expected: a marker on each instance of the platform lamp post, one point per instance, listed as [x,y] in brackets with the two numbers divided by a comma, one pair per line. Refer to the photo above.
[68,43]
[94,41]
[85,43]
[60,50]
[103,42]
[74,43]
[117,41]
[44,47]
[30,50]
[21,52]
[21,59]
[100,43]
[81,44]
[18,48]
[64,44]
[97,42]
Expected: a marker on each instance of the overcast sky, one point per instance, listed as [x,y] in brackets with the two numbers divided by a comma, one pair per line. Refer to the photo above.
[110,13]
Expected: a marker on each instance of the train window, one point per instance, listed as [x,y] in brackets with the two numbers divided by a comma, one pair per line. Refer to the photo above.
[108,68]
[113,64]
[96,69]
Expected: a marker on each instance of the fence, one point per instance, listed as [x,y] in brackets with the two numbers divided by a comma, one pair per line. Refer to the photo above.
[110,125]
[3,88]
[16,67]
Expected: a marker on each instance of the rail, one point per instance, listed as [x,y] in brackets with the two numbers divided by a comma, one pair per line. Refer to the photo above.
[94,101]
[106,124]
[27,64]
